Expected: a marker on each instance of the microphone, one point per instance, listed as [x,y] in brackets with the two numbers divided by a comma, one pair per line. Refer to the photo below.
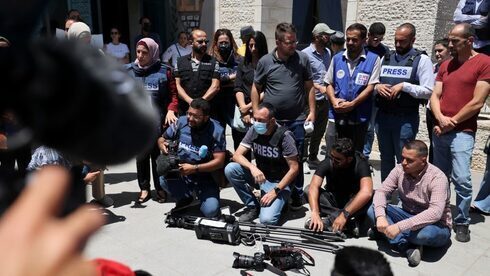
[203,151]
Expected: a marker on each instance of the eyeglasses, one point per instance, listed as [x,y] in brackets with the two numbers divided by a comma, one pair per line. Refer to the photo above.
[290,43]
[193,115]
[202,41]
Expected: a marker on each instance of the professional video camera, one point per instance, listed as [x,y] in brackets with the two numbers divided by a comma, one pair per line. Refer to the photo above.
[168,163]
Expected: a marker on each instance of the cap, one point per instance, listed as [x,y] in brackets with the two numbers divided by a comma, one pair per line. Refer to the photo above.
[322,28]
[246,31]
[338,37]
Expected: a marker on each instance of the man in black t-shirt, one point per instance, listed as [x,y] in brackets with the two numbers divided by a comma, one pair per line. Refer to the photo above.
[348,190]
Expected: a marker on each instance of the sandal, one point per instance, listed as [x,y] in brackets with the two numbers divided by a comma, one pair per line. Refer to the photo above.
[142,199]
[161,196]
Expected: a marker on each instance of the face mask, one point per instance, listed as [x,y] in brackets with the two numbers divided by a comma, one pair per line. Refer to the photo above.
[224,50]
[261,128]
[146,27]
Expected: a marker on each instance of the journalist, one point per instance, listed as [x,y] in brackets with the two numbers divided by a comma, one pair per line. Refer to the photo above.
[200,151]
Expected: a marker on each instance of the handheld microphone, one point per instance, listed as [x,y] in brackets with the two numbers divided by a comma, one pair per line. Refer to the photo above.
[203,151]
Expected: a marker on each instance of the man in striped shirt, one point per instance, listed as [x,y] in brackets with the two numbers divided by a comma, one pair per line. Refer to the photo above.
[424,218]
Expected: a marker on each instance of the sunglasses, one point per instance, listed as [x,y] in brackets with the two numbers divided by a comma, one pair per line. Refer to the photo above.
[202,41]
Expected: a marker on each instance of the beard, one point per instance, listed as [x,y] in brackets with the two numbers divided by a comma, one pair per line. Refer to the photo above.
[199,49]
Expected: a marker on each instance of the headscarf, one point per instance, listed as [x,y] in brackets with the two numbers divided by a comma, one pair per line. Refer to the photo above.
[153,52]
[78,31]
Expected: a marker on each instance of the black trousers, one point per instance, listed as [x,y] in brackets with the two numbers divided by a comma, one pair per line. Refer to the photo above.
[357,133]
[431,122]
[143,164]
[321,119]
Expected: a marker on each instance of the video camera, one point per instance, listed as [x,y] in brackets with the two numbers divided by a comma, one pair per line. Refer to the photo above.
[168,163]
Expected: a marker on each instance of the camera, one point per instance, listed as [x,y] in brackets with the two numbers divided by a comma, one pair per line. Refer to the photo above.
[256,262]
[168,163]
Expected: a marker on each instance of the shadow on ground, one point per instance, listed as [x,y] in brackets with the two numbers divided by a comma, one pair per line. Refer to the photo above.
[430,254]
[474,216]
[115,178]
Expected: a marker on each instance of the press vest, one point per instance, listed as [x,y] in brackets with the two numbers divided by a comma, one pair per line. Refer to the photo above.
[348,87]
[483,9]
[197,83]
[395,71]
[268,154]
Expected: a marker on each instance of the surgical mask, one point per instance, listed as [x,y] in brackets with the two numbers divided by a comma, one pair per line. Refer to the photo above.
[260,128]
[224,50]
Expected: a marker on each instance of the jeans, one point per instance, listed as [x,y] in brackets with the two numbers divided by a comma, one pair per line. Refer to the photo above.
[368,143]
[452,154]
[238,176]
[433,235]
[393,131]
[206,189]
[298,130]
[482,200]
[320,127]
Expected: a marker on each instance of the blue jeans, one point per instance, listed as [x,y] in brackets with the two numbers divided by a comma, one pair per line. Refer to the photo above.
[298,130]
[393,131]
[482,200]
[206,189]
[239,176]
[433,235]
[368,144]
[452,154]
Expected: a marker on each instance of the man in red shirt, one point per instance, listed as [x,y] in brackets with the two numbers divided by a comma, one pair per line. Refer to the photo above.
[462,85]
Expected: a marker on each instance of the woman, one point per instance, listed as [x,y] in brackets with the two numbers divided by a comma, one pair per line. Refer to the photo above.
[256,47]
[116,49]
[441,52]
[224,50]
[160,86]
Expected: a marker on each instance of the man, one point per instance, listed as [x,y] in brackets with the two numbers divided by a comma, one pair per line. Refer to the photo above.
[424,218]
[245,33]
[319,56]
[406,81]
[348,190]
[177,50]
[145,23]
[462,85]
[276,167]
[350,82]
[195,133]
[337,42]
[286,80]
[376,34]
[475,12]
[196,74]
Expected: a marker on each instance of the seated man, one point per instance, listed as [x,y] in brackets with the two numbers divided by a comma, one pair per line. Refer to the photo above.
[425,217]
[277,166]
[348,191]
[201,151]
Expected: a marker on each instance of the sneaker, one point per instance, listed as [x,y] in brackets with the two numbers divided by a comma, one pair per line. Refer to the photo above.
[462,232]
[414,255]
[313,163]
[249,214]
[296,202]
[374,234]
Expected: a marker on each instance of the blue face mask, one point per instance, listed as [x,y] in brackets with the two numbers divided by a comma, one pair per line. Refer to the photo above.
[261,128]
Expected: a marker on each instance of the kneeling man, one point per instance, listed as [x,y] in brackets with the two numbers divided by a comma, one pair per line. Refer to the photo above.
[276,167]
[424,218]
[347,193]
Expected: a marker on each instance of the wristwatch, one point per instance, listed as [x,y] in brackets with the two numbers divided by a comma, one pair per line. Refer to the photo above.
[277,190]
[196,166]
[346,213]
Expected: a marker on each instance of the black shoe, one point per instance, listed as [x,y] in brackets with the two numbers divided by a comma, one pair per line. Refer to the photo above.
[313,163]
[161,196]
[374,234]
[462,232]
[296,202]
[142,199]
[186,201]
[249,214]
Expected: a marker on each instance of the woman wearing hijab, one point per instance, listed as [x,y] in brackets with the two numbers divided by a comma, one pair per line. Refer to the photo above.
[79,31]
[160,86]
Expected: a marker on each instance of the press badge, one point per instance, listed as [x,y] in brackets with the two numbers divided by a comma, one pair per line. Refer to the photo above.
[362,79]
[401,72]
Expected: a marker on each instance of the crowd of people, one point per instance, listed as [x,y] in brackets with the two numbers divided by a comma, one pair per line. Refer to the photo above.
[280,104]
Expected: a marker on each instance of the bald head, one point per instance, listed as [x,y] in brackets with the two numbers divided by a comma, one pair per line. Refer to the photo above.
[463,30]
[461,40]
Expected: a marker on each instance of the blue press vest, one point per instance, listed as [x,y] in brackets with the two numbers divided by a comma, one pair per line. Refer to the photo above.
[395,71]
[483,9]
[349,87]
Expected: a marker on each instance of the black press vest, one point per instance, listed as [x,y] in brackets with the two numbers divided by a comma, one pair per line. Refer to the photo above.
[268,154]
[197,83]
